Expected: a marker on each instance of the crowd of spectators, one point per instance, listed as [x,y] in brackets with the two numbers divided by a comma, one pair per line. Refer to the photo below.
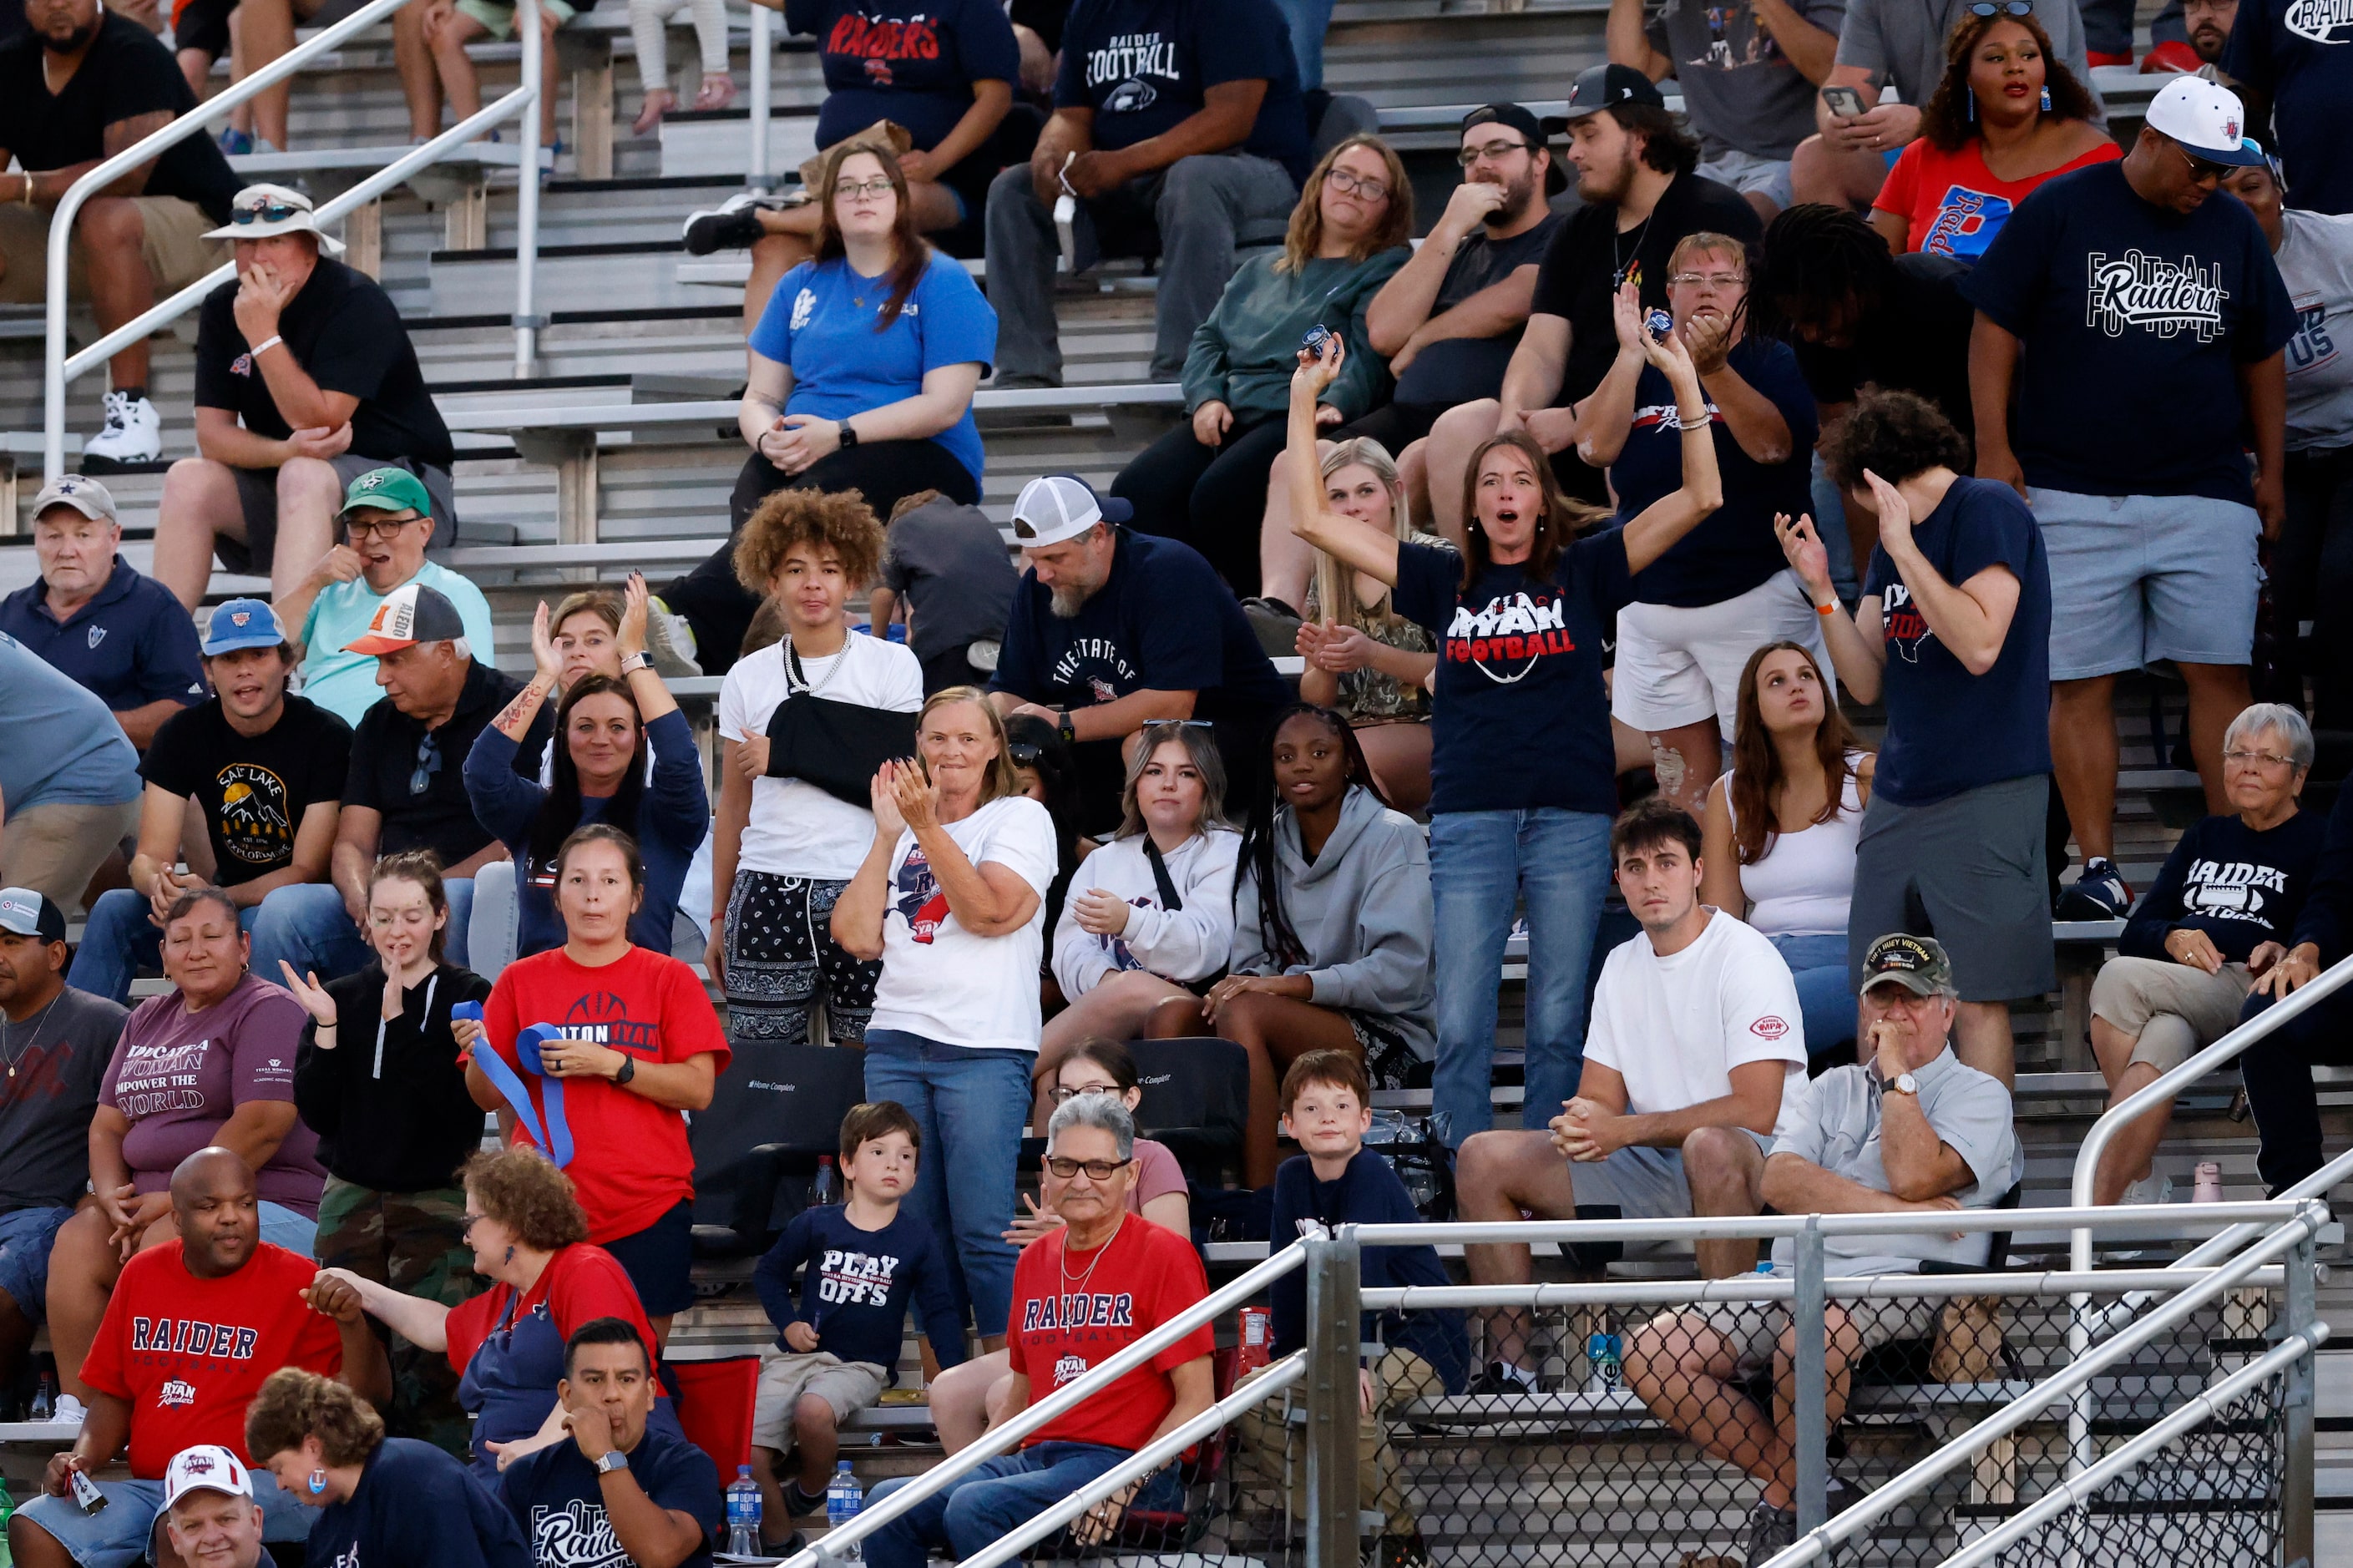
[1581,525]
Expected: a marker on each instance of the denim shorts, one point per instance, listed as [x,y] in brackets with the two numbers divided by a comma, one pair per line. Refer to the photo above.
[26,1236]
[117,1536]
[2134,579]
[1747,172]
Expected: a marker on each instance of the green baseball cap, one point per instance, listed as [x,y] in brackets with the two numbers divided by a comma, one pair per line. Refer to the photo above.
[388,489]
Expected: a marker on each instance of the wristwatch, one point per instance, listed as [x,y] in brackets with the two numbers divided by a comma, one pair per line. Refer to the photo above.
[1906,1084]
[638,660]
[1068,731]
[849,433]
[614,1459]
[628,1070]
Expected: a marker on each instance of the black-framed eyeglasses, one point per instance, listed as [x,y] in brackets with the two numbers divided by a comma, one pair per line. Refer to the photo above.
[2002,8]
[2203,169]
[269,212]
[1491,151]
[382,528]
[1096,1170]
[428,762]
[1060,1093]
[1351,184]
[850,190]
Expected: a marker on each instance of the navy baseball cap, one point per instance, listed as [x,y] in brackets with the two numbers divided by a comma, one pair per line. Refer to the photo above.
[1598,87]
[241,623]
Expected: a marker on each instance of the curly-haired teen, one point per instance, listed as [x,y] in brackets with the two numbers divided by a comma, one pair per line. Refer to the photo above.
[862,370]
[1959,592]
[784,847]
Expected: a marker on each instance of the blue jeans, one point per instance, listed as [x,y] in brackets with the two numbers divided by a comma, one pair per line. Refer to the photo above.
[1825,999]
[118,1535]
[972,1105]
[1307,20]
[1830,522]
[307,926]
[120,939]
[25,1237]
[1481,864]
[1001,1493]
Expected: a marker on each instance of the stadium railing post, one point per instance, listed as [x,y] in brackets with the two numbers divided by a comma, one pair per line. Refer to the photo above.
[2297,1413]
[1332,1348]
[1808,1370]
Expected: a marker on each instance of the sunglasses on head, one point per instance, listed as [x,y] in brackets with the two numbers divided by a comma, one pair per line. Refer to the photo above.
[269,212]
[1024,754]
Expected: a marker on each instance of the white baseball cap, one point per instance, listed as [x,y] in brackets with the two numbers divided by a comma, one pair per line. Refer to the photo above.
[2207,118]
[207,1467]
[1062,506]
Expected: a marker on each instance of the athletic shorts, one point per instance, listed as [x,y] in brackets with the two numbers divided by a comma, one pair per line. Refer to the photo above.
[499,20]
[846,1386]
[1968,870]
[1754,1329]
[1640,1181]
[2148,577]
[257,497]
[1680,665]
[659,1260]
[1750,174]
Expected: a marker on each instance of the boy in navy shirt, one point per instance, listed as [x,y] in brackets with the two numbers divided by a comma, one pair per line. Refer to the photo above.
[2139,323]
[839,1344]
[1327,1102]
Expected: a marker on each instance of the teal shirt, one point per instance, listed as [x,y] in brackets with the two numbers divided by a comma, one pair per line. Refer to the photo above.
[1244,353]
[64,747]
[344,683]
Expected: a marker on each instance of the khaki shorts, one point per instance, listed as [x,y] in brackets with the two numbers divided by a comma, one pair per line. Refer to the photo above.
[172,244]
[55,849]
[847,1386]
[1753,1330]
[2170,1009]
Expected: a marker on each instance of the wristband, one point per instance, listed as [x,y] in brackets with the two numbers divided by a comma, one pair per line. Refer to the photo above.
[1829,609]
[266,344]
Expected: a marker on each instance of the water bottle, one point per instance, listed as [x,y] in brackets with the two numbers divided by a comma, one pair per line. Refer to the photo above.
[1603,1352]
[843,1498]
[45,1401]
[825,1190]
[743,1514]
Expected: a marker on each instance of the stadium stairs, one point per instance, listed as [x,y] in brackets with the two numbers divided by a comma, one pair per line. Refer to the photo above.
[618,452]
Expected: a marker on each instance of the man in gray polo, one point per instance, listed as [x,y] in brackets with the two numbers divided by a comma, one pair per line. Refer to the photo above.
[1912,1130]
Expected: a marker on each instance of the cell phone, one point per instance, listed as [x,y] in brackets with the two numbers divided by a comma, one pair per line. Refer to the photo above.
[1844,101]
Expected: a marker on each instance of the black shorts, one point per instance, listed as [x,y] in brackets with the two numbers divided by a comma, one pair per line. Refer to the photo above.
[658,1261]
[202,24]
[257,497]
[1396,425]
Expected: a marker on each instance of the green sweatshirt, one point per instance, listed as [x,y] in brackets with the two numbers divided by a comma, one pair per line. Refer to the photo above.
[1243,355]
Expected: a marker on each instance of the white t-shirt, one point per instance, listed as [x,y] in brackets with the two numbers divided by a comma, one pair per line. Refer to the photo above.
[1675,1027]
[939,980]
[797,829]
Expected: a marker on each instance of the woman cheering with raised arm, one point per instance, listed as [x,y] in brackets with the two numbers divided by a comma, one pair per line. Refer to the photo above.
[1515,812]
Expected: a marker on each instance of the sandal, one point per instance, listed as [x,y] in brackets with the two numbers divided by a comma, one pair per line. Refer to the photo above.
[659,101]
[718,91]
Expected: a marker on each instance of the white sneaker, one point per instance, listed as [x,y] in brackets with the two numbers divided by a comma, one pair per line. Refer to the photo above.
[2150,1189]
[133,433]
[69,1411]
[671,642]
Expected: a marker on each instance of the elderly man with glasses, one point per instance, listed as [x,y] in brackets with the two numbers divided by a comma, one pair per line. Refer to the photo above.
[305,381]
[406,789]
[1080,1294]
[2129,329]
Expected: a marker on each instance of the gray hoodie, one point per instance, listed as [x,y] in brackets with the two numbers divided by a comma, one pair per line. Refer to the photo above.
[1362,912]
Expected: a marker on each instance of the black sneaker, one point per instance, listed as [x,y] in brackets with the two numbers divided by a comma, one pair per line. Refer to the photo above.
[1400,1552]
[1770,1529]
[2099,894]
[732,225]
[1497,1379]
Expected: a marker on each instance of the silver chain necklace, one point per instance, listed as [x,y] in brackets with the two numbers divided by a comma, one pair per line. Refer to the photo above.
[13,1057]
[1071,1286]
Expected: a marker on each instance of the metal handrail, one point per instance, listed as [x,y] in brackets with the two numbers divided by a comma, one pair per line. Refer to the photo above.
[60,368]
[1004,1437]
[2076,1490]
[1145,1461]
[2228,1048]
[1769,1288]
[1753,1226]
[763,61]
[1815,1545]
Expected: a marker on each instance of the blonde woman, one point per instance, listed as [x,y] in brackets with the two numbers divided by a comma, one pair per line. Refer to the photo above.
[1364,659]
[1205,481]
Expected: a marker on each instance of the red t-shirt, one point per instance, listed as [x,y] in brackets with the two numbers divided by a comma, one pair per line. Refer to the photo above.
[1954,204]
[190,1354]
[580,1284]
[1142,1278]
[631,1164]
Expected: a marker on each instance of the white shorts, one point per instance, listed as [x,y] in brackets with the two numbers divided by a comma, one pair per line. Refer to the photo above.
[1678,665]
[1747,171]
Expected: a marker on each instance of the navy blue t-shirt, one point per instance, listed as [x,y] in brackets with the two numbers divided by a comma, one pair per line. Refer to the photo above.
[1366,1193]
[1161,622]
[914,65]
[2239,886]
[1734,549]
[417,1504]
[556,1495]
[2301,52]
[132,644]
[1948,730]
[1143,66]
[856,1286]
[1522,719]
[2134,321]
